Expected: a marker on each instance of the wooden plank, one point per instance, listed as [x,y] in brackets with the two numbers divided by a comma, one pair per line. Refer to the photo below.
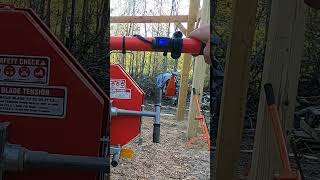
[199,74]
[281,69]
[183,91]
[234,93]
[181,28]
[148,19]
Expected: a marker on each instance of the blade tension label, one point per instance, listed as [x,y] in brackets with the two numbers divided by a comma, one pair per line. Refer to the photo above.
[33,101]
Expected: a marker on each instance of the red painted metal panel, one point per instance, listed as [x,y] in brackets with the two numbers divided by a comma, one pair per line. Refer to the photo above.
[124,129]
[84,123]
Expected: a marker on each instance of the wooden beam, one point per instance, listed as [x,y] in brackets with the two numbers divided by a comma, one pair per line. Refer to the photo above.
[235,87]
[281,69]
[193,12]
[181,28]
[199,74]
[148,19]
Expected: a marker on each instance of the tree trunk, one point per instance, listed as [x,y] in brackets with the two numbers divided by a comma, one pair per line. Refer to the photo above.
[56,25]
[215,110]
[32,5]
[103,48]
[84,24]
[165,64]
[137,65]
[154,64]
[144,53]
[48,15]
[149,64]
[158,33]
[98,16]
[42,7]
[98,12]
[145,34]
[63,21]
[104,22]
[142,64]
[70,42]
[131,65]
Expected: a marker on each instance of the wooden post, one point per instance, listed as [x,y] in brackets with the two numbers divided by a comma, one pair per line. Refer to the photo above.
[193,12]
[235,87]
[281,69]
[199,74]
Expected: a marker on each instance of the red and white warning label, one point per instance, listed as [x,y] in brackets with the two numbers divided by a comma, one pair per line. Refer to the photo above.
[120,94]
[24,69]
[33,101]
[118,89]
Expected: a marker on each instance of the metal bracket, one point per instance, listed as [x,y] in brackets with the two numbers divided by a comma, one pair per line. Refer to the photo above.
[115,151]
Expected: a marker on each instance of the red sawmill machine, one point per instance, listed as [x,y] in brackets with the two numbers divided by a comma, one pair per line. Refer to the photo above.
[55,121]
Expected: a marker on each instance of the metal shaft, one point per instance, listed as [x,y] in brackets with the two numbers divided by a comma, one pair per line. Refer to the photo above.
[156,124]
[158,105]
[123,112]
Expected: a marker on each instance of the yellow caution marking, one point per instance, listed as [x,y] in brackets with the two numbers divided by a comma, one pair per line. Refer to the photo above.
[126,153]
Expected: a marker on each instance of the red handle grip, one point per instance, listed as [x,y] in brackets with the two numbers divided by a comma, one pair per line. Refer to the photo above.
[190,45]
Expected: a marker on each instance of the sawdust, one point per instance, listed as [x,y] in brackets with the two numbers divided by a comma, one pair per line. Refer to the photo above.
[168,160]
[172,160]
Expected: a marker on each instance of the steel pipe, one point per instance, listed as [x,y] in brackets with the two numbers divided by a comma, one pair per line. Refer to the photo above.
[122,112]
[156,124]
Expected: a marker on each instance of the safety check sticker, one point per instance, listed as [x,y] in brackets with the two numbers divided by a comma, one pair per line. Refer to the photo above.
[33,101]
[24,69]
[117,84]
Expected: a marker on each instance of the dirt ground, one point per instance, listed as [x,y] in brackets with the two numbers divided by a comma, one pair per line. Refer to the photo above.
[168,160]
[172,160]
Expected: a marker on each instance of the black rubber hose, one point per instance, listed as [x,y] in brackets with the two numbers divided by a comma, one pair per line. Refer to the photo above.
[40,159]
[156,133]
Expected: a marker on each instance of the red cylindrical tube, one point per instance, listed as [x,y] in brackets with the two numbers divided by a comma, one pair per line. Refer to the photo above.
[190,45]
[275,119]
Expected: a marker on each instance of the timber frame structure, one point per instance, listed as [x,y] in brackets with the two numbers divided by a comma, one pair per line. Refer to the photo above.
[281,69]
